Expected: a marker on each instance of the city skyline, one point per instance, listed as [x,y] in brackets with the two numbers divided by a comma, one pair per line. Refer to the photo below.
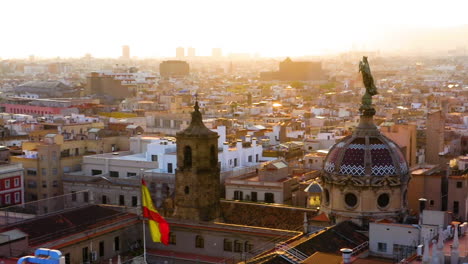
[272,29]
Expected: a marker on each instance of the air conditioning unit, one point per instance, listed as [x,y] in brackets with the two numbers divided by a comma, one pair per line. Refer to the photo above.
[93,256]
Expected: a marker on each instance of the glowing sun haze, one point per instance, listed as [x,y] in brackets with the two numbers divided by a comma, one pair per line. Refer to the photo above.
[71,28]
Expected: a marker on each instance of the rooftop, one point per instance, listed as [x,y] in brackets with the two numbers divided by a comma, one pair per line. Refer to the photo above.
[51,227]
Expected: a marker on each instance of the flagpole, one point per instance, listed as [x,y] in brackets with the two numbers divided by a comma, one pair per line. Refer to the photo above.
[144,241]
[143,221]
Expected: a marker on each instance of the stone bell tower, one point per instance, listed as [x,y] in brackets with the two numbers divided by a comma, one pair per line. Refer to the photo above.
[197,190]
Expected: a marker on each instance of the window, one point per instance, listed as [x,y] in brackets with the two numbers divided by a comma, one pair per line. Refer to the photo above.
[32,184]
[172,238]
[199,242]
[101,248]
[104,199]
[456,207]
[227,245]
[114,174]
[249,159]
[187,156]
[213,156]
[7,199]
[351,200]
[383,200]
[131,174]
[85,197]
[55,184]
[85,254]
[235,162]
[121,200]
[16,182]
[165,190]
[17,197]
[269,198]
[7,184]
[54,171]
[256,157]
[44,184]
[459,184]
[238,195]
[134,201]
[31,172]
[67,258]
[44,172]
[169,168]
[54,155]
[431,202]
[186,190]
[73,195]
[327,196]
[116,243]
[253,196]
[96,172]
[248,246]
[237,246]
[382,247]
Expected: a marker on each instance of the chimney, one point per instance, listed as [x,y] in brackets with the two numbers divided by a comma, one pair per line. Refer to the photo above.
[139,142]
[225,147]
[247,138]
[346,253]
[239,144]
[422,206]
[254,142]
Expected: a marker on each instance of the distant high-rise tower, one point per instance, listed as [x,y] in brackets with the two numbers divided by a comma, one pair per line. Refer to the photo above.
[216,53]
[180,53]
[126,52]
[190,52]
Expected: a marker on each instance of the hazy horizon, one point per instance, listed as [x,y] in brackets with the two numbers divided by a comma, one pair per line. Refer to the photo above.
[55,28]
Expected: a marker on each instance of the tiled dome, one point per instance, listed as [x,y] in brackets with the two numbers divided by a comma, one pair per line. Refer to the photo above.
[366,155]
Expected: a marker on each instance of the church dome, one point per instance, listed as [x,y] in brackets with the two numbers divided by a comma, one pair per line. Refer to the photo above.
[365,175]
[366,155]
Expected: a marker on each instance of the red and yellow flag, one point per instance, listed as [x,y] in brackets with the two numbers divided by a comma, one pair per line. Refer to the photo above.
[159,228]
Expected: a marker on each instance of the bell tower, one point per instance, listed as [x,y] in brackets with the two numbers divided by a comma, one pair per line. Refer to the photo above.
[197,190]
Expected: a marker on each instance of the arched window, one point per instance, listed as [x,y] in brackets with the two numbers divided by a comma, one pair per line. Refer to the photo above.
[199,242]
[187,156]
[327,196]
[213,156]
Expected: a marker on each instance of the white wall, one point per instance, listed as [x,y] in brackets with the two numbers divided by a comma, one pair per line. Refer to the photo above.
[391,234]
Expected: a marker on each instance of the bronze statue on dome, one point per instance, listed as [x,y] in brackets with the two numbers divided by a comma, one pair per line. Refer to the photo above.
[366,107]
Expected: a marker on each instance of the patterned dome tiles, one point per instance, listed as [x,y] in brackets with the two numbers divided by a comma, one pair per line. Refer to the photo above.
[385,157]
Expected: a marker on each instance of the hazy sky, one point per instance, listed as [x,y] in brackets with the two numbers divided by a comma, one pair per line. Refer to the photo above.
[155,28]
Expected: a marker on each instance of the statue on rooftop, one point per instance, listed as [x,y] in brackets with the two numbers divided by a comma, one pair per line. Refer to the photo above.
[366,107]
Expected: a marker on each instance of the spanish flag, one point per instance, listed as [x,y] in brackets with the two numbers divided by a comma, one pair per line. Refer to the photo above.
[159,228]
